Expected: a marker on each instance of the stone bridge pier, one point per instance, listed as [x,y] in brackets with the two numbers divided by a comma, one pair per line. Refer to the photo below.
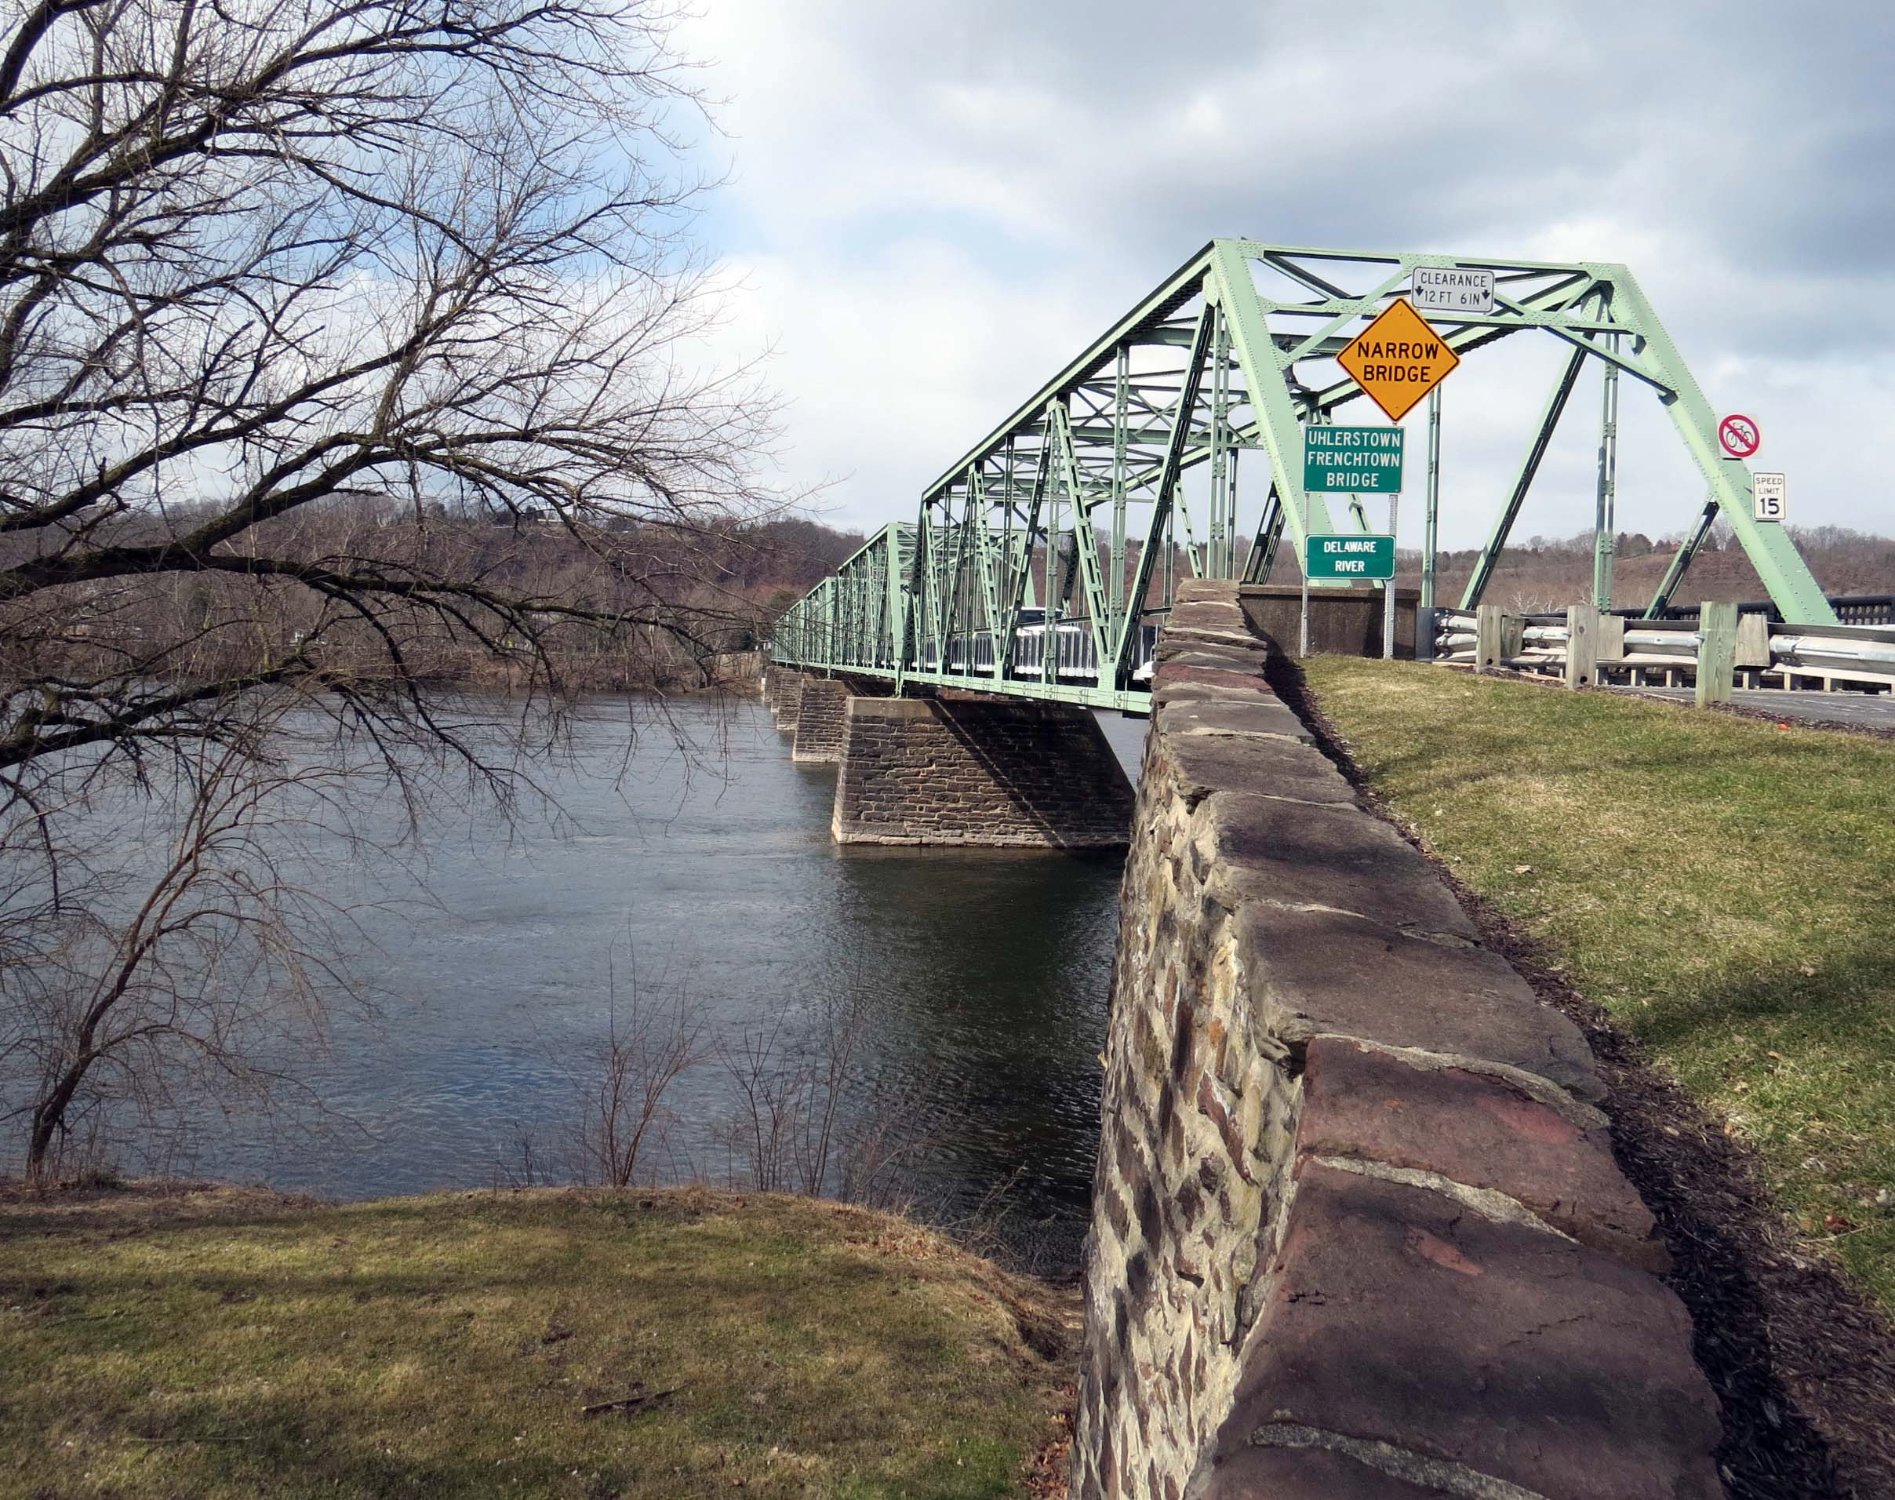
[1358,1233]
[955,769]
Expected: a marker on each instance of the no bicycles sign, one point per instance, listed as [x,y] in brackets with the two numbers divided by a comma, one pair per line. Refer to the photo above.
[1739,436]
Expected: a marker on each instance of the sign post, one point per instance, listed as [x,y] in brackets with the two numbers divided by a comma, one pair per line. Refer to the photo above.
[1430,532]
[1302,642]
[1388,586]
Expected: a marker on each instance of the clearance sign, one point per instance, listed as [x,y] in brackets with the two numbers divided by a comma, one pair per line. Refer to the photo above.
[1398,359]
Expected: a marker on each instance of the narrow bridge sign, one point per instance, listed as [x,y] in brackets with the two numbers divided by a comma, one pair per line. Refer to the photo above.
[1354,555]
[1364,460]
[1398,359]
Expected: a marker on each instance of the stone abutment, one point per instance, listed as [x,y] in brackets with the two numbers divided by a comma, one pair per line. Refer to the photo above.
[1357,1227]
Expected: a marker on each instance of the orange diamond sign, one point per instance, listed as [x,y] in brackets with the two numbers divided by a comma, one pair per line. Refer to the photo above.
[1398,359]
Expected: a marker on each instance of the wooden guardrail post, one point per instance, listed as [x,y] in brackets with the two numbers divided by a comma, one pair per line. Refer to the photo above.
[1488,645]
[1611,639]
[1717,652]
[1753,644]
[1582,645]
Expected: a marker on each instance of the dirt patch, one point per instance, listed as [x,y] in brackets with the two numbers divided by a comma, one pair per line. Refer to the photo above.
[1802,1363]
[1049,1471]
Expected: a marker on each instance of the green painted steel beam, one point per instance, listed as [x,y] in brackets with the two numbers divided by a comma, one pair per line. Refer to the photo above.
[1791,585]
[1681,561]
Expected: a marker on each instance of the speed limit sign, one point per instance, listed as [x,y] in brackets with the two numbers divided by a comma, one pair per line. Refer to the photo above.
[1770,495]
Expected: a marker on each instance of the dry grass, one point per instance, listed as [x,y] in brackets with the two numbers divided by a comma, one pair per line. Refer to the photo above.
[209,1343]
[1725,888]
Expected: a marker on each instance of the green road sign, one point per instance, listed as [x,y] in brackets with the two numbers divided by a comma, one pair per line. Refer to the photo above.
[1352,556]
[1364,460]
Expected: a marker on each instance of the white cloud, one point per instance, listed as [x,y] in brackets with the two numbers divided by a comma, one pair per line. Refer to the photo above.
[938,204]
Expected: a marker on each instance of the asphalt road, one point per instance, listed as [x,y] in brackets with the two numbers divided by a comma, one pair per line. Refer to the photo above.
[1855,710]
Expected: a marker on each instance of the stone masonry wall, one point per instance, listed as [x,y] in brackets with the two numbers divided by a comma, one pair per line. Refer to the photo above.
[819,714]
[1001,773]
[1357,1229]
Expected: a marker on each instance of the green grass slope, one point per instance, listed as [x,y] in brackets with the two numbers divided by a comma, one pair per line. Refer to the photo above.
[221,1343]
[1725,888]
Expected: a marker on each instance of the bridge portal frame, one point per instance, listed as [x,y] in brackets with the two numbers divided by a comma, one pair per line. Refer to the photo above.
[1024,574]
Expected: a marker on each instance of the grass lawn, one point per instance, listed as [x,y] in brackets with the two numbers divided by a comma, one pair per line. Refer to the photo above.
[223,1343]
[1725,888]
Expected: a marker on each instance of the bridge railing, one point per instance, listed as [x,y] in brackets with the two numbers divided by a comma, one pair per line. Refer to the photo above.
[967,658]
[1851,609]
[1075,657]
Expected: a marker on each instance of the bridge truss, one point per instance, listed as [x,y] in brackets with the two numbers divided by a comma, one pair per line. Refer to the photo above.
[1042,561]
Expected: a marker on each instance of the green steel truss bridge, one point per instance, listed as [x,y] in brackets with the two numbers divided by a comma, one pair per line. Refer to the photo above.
[1044,559]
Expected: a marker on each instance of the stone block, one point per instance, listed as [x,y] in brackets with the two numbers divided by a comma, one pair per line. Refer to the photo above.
[1310,1473]
[1317,973]
[1263,715]
[1268,766]
[1217,674]
[1397,1316]
[1225,632]
[1187,653]
[1338,857]
[1241,690]
[1481,1129]
[1196,599]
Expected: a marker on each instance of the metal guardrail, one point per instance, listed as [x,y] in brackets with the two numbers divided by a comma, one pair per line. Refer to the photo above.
[1766,653]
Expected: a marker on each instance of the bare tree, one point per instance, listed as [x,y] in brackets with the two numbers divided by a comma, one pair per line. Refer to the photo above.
[649,1044]
[803,1121]
[205,966]
[339,339]
[422,258]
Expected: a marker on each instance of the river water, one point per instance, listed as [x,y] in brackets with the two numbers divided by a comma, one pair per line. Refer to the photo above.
[704,877]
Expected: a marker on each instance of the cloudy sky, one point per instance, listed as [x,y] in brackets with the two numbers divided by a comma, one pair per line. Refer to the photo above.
[933,204]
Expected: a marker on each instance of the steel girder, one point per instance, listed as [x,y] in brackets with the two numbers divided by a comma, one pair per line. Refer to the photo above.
[1041,560]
